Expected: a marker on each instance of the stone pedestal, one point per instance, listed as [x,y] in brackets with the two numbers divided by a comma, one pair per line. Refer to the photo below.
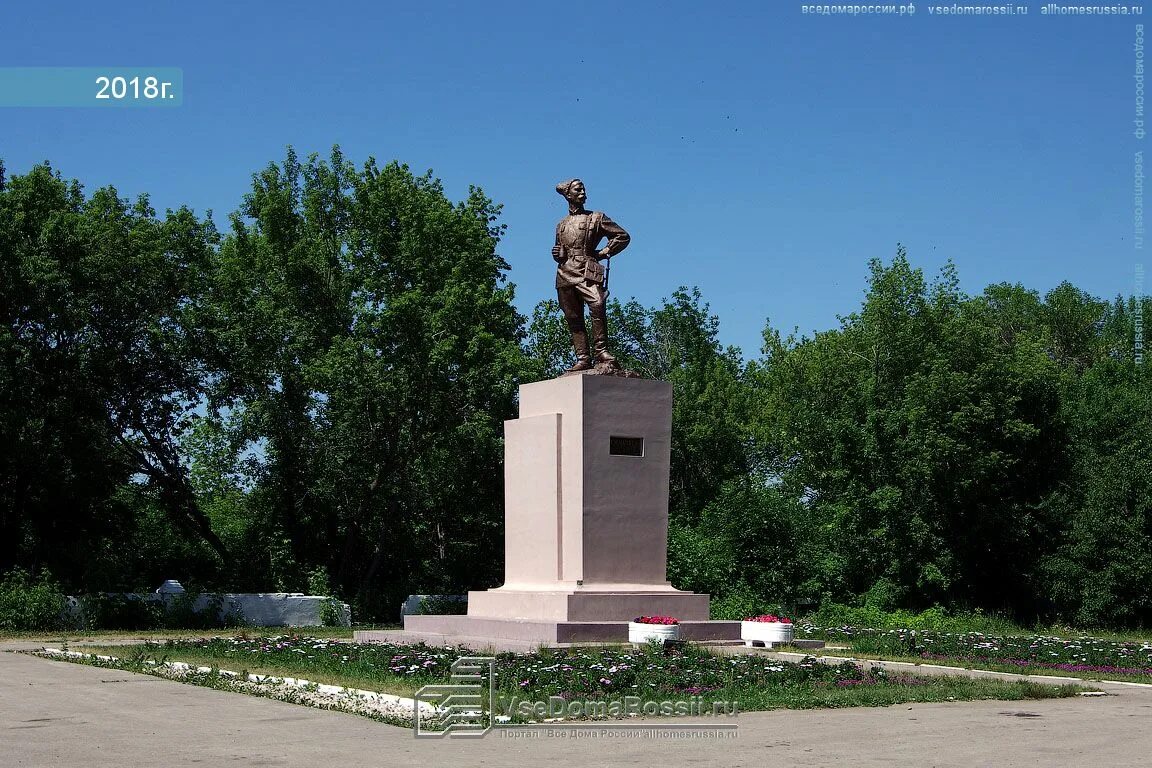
[586,505]
[586,517]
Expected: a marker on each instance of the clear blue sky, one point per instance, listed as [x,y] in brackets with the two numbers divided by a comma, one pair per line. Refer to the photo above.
[759,153]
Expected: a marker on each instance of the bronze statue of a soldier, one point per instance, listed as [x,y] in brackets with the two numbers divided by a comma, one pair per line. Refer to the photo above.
[580,275]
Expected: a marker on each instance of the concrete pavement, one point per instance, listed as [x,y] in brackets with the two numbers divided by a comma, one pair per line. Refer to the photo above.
[67,715]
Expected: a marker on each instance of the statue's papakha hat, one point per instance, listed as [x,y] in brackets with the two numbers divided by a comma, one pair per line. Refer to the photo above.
[563,187]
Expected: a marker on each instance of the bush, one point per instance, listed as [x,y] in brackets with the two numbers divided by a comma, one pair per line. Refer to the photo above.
[331,613]
[121,611]
[742,603]
[27,605]
[179,612]
[936,618]
[318,582]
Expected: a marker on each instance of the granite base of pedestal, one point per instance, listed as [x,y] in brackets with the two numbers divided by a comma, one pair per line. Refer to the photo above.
[587,603]
[523,634]
[723,636]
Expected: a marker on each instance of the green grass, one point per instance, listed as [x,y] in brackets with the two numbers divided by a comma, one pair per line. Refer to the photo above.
[923,690]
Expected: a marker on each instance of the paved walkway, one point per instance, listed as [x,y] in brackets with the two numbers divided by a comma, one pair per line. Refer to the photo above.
[56,714]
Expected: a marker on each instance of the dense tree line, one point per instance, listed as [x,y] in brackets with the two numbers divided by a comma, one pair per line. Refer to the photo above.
[316,396]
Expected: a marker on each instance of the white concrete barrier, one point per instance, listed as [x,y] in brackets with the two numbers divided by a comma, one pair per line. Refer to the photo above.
[266,609]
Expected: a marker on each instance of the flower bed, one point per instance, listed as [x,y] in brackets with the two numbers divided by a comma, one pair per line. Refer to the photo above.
[746,682]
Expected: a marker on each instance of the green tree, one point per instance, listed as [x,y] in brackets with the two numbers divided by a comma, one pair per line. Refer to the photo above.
[100,364]
[1099,567]
[923,443]
[374,354]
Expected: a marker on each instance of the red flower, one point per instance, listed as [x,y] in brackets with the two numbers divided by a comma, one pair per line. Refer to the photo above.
[656,620]
[770,619]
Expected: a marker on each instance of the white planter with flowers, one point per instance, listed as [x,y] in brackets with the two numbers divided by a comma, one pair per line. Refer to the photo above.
[769,630]
[646,628]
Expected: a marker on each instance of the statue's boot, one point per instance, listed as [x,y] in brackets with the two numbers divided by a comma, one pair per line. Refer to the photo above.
[600,337]
[583,359]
